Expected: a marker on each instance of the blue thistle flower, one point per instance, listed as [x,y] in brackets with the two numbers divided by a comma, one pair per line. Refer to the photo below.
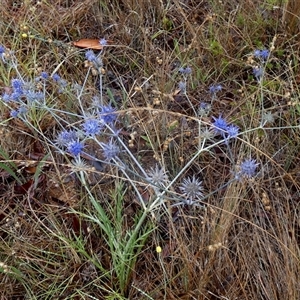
[17,85]
[44,75]
[204,109]
[14,113]
[192,189]
[248,168]
[185,71]
[56,77]
[90,55]
[65,137]
[6,97]
[213,89]
[2,53]
[232,131]
[110,150]
[75,147]
[2,50]
[15,96]
[256,53]
[262,54]
[107,114]
[220,125]
[92,127]
[103,42]
[33,96]
[22,110]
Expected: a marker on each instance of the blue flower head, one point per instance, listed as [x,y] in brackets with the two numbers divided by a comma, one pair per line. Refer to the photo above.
[22,110]
[185,71]
[17,85]
[75,147]
[90,55]
[33,96]
[262,54]
[192,189]
[204,109]
[2,50]
[107,114]
[248,168]
[110,150]
[56,77]
[232,131]
[182,86]
[44,75]
[103,42]
[213,89]
[6,97]
[65,137]
[220,125]
[157,176]
[92,127]
[14,113]
[2,53]
[15,96]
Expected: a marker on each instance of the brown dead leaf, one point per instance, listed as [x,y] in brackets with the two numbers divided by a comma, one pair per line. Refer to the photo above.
[89,44]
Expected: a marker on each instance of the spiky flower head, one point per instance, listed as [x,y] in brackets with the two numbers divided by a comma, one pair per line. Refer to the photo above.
[267,117]
[248,168]
[65,137]
[110,150]
[90,55]
[204,109]
[232,131]
[75,147]
[2,49]
[92,127]
[14,113]
[103,42]
[157,176]
[220,125]
[185,71]
[213,89]
[17,85]
[262,54]
[107,114]
[192,189]
[44,75]
[56,77]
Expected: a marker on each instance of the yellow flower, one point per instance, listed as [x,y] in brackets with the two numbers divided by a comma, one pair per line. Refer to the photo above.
[158,249]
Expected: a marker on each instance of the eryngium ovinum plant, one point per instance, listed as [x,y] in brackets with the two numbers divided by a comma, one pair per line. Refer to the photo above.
[30,100]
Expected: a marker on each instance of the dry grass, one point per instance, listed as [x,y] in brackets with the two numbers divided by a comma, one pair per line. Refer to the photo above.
[245,243]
